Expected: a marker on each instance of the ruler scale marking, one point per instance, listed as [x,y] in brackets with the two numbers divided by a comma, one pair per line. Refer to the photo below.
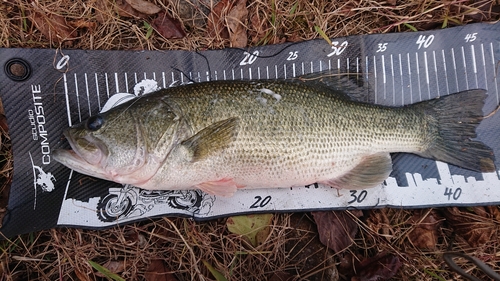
[465,69]
[77,99]
[87,92]
[436,73]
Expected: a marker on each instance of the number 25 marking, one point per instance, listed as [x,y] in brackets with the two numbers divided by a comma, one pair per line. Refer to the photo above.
[293,55]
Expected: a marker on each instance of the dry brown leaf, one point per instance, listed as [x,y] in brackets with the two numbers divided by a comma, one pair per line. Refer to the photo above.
[379,222]
[52,26]
[107,9]
[381,267]
[336,229]
[82,276]
[304,247]
[143,6]
[236,24]
[168,27]
[425,234]
[113,266]
[281,276]
[259,28]
[81,23]
[476,225]
[215,25]
[158,271]
[124,9]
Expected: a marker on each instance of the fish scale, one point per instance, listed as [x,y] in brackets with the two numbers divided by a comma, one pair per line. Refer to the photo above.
[224,135]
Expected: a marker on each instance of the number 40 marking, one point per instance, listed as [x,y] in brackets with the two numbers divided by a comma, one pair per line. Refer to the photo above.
[425,41]
[453,194]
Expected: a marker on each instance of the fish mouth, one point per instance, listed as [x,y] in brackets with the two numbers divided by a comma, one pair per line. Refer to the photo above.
[87,148]
[72,160]
[87,155]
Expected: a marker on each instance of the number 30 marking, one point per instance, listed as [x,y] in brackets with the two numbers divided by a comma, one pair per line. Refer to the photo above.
[357,198]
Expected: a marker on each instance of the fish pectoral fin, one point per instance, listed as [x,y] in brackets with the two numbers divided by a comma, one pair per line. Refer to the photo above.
[370,172]
[224,187]
[212,138]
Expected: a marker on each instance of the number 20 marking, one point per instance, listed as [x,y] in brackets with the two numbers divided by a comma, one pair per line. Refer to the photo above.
[260,203]
[249,58]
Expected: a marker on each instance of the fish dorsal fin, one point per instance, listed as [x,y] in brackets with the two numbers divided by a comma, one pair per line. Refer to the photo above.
[350,85]
[370,172]
[212,138]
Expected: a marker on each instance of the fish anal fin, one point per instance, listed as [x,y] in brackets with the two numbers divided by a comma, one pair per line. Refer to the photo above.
[224,187]
[370,172]
[212,138]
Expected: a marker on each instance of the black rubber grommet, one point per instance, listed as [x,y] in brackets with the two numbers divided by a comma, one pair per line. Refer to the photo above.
[17,69]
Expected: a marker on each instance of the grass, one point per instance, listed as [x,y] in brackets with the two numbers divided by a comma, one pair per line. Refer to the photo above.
[184,245]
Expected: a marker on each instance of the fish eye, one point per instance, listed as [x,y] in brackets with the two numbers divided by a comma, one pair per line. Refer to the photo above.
[94,123]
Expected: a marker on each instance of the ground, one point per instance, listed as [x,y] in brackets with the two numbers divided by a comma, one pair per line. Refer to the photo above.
[409,243]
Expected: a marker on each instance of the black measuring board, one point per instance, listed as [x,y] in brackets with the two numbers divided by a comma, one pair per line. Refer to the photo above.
[59,88]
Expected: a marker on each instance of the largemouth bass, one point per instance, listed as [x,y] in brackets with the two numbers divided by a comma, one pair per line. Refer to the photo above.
[225,135]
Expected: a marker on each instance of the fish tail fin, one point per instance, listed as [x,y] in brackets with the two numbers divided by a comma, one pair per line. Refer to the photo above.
[452,128]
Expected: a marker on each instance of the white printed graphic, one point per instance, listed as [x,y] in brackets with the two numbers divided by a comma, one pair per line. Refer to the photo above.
[41,179]
[128,203]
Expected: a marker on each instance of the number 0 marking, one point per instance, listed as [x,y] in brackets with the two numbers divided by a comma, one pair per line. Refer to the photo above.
[62,62]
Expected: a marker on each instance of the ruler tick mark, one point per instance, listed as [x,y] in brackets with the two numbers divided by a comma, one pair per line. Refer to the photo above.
[383,74]
[402,80]
[465,69]
[68,110]
[418,77]
[375,77]
[484,67]
[474,66]
[445,72]
[107,84]
[393,86]
[427,74]
[78,99]
[117,86]
[409,75]
[126,81]
[436,72]
[87,91]
[97,91]
[494,65]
